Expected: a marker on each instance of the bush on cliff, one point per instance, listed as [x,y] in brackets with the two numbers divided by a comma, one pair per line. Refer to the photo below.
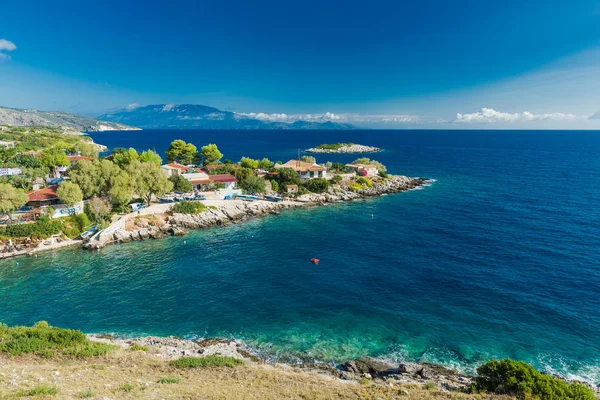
[521,379]
[206,362]
[47,341]
[189,207]
[39,230]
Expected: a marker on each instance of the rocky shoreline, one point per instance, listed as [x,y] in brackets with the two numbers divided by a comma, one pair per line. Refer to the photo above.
[160,222]
[345,149]
[372,369]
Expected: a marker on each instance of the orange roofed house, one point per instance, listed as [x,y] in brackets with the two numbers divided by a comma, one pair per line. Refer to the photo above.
[305,169]
[174,168]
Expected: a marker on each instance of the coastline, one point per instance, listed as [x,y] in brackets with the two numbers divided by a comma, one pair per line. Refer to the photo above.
[157,221]
[352,371]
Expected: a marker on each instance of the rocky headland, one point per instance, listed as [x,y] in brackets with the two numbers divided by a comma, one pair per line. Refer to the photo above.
[343,148]
[158,221]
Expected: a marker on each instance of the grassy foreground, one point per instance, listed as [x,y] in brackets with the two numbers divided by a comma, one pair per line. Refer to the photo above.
[126,374]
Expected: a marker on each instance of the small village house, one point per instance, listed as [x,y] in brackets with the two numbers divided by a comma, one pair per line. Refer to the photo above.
[370,169]
[42,198]
[305,169]
[291,189]
[7,145]
[174,169]
[228,180]
[199,180]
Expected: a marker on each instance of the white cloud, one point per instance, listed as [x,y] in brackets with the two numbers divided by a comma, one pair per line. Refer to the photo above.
[5,47]
[329,116]
[489,115]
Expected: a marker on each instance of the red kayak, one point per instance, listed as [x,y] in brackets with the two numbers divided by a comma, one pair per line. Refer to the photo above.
[314,261]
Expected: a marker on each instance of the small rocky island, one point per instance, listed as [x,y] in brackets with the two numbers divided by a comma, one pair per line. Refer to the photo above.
[344,148]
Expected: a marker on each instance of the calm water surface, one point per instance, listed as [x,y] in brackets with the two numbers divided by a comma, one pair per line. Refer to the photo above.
[498,258]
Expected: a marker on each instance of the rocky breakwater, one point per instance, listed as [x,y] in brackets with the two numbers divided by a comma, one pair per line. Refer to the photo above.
[344,149]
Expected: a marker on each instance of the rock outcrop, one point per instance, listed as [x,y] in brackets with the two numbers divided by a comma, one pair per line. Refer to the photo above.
[345,149]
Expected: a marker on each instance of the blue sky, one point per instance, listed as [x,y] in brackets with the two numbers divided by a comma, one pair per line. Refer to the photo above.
[525,63]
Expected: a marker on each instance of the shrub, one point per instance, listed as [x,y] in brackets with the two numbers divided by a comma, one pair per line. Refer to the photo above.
[38,230]
[180,184]
[521,379]
[429,386]
[127,387]
[138,347]
[169,380]
[317,185]
[189,207]
[38,391]
[86,394]
[355,186]
[274,185]
[47,341]
[364,380]
[336,179]
[206,362]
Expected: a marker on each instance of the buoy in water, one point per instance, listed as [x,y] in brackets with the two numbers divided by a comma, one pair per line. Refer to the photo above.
[314,261]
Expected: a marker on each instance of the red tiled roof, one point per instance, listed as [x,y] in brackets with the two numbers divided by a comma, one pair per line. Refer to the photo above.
[79,158]
[45,194]
[223,178]
[178,166]
[302,166]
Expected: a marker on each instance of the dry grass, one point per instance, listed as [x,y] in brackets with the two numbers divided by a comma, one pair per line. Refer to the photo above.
[124,374]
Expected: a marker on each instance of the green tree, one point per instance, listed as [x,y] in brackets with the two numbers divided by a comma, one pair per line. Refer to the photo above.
[248,162]
[336,179]
[242,173]
[27,161]
[309,159]
[274,185]
[317,185]
[180,184]
[54,157]
[254,184]
[21,182]
[150,156]
[99,209]
[182,152]
[122,189]
[123,158]
[83,174]
[210,154]
[69,193]
[11,198]
[149,180]
[106,172]
[287,176]
[265,164]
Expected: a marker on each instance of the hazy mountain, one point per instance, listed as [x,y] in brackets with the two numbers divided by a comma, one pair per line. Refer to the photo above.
[69,122]
[193,116]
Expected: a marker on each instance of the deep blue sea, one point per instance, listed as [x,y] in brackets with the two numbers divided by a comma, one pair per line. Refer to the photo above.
[498,258]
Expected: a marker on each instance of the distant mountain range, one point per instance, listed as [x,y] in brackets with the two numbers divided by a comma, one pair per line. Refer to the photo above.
[69,122]
[193,116]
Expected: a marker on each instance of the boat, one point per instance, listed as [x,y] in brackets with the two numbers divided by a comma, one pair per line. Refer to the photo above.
[189,197]
[90,232]
[314,261]
[200,197]
[247,197]
[166,199]
[273,198]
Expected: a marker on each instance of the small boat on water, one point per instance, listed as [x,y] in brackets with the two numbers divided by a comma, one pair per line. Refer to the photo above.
[273,198]
[89,233]
[247,197]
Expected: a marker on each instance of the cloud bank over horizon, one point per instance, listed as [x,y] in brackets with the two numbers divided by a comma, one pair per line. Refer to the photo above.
[489,115]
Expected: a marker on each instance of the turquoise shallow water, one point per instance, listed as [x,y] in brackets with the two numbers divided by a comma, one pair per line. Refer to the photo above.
[498,258]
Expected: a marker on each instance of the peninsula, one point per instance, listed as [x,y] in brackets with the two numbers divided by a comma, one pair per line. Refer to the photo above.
[343,148]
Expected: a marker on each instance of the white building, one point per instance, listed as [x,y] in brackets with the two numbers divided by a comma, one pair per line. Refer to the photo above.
[370,169]
[305,169]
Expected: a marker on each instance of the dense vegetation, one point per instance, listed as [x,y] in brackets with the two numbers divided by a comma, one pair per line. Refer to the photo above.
[521,379]
[47,341]
[72,226]
[189,207]
[206,362]
[333,146]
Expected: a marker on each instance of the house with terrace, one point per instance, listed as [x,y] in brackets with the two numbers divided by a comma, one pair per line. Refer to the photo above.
[305,170]
[38,200]
[364,169]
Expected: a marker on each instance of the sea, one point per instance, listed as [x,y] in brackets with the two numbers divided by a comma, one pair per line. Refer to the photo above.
[498,257]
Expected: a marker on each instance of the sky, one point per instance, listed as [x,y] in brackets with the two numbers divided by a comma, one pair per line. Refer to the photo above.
[388,64]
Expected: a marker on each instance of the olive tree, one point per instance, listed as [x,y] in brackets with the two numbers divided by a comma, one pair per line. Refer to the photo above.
[11,198]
